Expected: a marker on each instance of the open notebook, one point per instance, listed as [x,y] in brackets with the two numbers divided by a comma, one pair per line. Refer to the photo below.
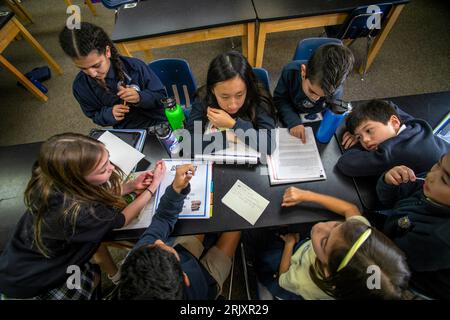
[236,153]
[198,203]
[294,161]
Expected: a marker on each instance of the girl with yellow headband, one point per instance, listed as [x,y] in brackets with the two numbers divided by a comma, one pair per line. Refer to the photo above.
[342,260]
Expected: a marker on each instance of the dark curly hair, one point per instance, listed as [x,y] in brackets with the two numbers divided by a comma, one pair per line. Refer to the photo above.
[329,66]
[151,273]
[78,43]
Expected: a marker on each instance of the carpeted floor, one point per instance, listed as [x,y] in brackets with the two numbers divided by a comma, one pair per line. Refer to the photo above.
[415,58]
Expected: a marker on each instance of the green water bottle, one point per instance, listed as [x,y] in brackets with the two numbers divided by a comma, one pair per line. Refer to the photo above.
[174,113]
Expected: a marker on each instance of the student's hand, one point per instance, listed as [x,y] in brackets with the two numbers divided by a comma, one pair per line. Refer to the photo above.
[143,180]
[158,175]
[119,111]
[220,118]
[293,196]
[398,175]
[299,132]
[183,175]
[348,140]
[231,137]
[129,95]
[290,239]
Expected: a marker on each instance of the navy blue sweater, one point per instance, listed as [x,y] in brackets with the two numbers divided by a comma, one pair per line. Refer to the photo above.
[288,95]
[202,285]
[263,121]
[415,147]
[421,228]
[96,102]
[25,272]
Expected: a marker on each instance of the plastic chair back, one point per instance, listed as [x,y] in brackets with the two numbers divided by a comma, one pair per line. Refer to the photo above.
[116,4]
[361,22]
[177,78]
[306,47]
[263,76]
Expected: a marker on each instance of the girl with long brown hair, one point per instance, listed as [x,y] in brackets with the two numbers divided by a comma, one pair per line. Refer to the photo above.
[73,199]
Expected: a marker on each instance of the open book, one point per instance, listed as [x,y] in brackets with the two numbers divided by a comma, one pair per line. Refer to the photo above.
[236,153]
[294,161]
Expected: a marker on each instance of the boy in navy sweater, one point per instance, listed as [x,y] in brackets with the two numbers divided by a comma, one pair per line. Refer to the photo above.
[305,85]
[380,136]
[157,271]
[419,223]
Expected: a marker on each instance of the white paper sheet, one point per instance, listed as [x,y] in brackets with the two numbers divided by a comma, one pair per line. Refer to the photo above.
[121,154]
[144,219]
[294,161]
[245,202]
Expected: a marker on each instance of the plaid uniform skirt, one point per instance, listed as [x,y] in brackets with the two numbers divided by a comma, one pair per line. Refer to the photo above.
[86,291]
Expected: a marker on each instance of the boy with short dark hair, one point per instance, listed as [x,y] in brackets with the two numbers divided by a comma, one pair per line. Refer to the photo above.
[157,271]
[419,223]
[380,136]
[304,85]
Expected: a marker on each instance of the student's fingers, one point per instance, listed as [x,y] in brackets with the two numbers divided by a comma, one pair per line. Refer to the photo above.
[214,110]
[393,177]
[345,137]
[407,174]
[412,175]
[119,117]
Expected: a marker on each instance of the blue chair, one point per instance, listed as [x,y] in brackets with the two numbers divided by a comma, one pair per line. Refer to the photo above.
[263,76]
[360,24]
[116,4]
[177,78]
[306,47]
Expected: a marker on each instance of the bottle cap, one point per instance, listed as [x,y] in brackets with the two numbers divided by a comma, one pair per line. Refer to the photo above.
[339,106]
[169,102]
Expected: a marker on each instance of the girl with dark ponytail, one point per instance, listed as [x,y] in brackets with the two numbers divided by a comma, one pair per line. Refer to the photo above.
[111,89]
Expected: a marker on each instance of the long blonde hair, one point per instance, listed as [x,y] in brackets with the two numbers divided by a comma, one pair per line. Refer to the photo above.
[64,162]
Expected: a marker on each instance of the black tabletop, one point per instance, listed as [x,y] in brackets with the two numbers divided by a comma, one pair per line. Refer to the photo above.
[267,10]
[15,171]
[225,219]
[5,16]
[154,18]
[432,107]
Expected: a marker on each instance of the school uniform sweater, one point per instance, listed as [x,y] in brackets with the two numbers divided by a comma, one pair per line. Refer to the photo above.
[288,96]
[263,121]
[25,272]
[415,147]
[97,102]
[421,228]
[202,284]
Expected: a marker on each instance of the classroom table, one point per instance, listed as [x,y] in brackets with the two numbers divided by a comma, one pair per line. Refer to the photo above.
[432,107]
[224,177]
[15,171]
[10,28]
[155,24]
[287,15]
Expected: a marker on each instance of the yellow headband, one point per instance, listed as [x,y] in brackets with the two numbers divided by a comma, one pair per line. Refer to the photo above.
[362,238]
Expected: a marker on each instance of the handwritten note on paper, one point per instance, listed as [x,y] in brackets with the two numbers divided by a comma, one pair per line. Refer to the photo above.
[121,153]
[245,202]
